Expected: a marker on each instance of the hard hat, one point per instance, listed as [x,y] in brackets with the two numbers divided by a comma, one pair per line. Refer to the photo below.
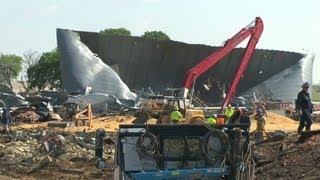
[214,116]
[259,111]
[229,106]
[175,108]
[245,109]
[305,84]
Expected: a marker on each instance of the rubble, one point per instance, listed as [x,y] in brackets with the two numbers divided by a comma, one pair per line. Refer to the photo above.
[288,159]
[23,152]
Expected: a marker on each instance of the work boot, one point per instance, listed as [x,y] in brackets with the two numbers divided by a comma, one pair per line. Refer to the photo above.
[308,127]
[6,129]
[300,128]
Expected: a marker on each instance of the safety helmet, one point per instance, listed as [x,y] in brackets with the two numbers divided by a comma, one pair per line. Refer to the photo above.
[229,106]
[259,111]
[245,110]
[175,108]
[214,116]
[305,84]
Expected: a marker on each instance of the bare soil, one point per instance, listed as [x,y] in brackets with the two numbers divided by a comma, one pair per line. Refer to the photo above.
[282,159]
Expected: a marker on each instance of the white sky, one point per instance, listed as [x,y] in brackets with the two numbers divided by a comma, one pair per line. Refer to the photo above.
[290,25]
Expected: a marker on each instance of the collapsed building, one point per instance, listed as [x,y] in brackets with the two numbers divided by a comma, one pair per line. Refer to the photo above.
[137,63]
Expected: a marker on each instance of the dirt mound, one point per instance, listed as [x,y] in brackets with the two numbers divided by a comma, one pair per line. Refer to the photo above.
[287,159]
[110,124]
[279,122]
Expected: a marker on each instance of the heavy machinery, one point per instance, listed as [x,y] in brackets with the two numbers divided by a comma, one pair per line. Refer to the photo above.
[254,29]
[160,107]
[184,151]
[190,151]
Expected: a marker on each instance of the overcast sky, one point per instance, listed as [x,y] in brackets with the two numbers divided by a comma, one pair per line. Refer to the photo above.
[290,25]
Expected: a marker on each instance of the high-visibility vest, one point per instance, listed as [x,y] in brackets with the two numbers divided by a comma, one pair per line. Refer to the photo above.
[229,112]
[211,121]
[175,115]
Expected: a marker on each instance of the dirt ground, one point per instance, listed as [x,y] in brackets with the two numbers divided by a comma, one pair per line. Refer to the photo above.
[278,122]
[110,124]
[288,159]
[270,164]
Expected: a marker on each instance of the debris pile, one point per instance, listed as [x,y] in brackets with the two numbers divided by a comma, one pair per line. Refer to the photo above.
[288,158]
[24,153]
[25,115]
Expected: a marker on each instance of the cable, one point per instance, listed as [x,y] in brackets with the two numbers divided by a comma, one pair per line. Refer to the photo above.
[208,148]
[147,145]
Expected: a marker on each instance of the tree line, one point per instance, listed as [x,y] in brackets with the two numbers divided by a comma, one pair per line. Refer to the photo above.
[43,70]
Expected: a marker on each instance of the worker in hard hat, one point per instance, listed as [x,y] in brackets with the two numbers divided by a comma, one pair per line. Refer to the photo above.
[236,115]
[212,120]
[262,106]
[261,123]
[304,104]
[245,120]
[175,115]
[229,112]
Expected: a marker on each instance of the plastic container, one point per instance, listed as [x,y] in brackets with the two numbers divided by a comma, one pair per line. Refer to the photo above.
[220,120]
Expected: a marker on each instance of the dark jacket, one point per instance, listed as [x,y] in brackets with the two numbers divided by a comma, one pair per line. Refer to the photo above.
[304,102]
[6,117]
[245,119]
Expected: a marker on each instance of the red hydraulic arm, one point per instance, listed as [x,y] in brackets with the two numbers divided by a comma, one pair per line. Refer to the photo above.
[255,31]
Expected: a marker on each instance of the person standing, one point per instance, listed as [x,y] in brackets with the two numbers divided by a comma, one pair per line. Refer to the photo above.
[6,119]
[262,106]
[236,115]
[229,112]
[212,120]
[261,123]
[175,116]
[245,119]
[304,105]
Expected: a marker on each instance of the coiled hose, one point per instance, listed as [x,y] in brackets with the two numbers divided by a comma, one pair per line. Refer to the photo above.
[211,141]
[147,144]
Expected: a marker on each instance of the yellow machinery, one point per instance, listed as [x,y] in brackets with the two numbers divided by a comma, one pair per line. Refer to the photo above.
[83,117]
[160,109]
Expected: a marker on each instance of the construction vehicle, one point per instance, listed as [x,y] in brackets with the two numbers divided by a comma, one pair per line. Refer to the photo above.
[84,117]
[184,151]
[190,151]
[160,107]
[254,29]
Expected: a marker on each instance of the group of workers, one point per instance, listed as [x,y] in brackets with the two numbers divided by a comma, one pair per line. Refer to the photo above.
[240,115]
[234,115]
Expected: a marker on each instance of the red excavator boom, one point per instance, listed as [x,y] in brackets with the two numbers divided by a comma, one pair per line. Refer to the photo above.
[254,31]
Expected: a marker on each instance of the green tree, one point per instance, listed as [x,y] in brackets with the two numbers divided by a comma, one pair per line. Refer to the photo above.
[116,31]
[46,72]
[158,35]
[10,67]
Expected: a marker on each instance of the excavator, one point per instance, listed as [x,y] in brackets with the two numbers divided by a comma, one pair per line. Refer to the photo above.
[254,29]
[191,151]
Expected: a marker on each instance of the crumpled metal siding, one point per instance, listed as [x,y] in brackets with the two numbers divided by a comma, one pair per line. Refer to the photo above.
[81,69]
[146,63]
[286,85]
[160,64]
